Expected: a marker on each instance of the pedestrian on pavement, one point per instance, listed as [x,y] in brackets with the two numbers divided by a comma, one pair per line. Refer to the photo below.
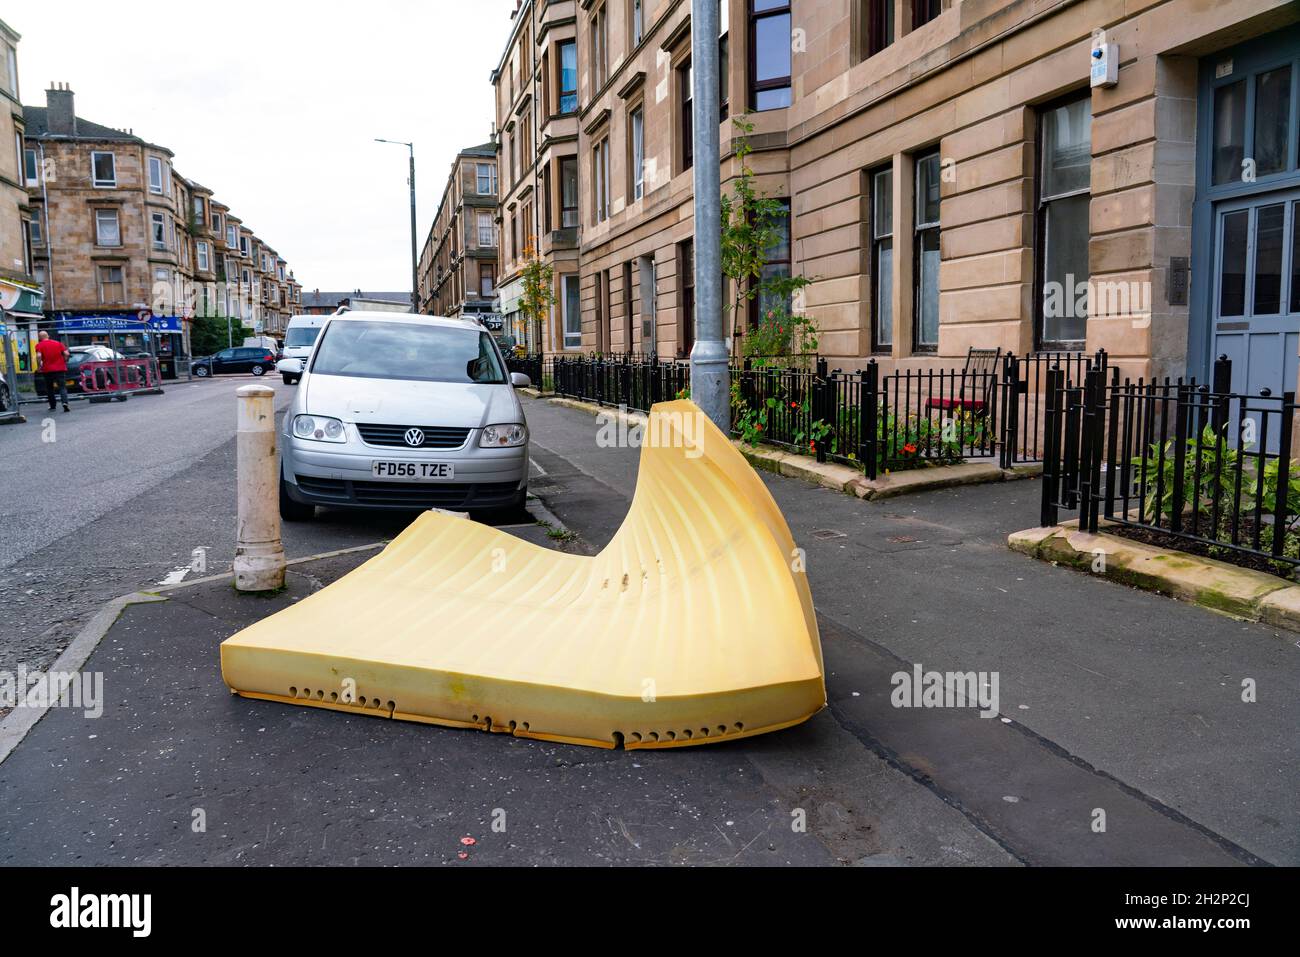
[53,358]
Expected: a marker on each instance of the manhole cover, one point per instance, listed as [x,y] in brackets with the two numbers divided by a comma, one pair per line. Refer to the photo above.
[902,539]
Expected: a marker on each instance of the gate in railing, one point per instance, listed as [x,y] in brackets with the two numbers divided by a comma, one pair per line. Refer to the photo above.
[1023,386]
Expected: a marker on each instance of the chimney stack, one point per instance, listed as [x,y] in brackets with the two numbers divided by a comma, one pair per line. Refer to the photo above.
[61,118]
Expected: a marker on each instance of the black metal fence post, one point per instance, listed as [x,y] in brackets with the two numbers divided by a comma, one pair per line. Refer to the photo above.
[869,419]
[1010,409]
[1051,441]
[1179,496]
[1110,400]
[1282,490]
[1221,384]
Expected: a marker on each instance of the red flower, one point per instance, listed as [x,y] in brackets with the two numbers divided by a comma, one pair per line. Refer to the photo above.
[759,426]
[909,448]
[812,445]
[794,405]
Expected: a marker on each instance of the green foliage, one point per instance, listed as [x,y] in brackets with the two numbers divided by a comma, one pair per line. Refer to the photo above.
[917,441]
[750,232]
[779,333]
[1217,473]
[209,334]
[538,291]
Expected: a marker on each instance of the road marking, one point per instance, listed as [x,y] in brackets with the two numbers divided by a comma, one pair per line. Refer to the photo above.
[533,462]
[177,576]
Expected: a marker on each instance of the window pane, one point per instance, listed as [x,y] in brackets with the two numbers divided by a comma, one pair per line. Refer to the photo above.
[772,48]
[882,203]
[1229,131]
[106,227]
[1268,259]
[1272,115]
[1232,264]
[927,325]
[568,77]
[572,313]
[779,249]
[769,300]
[638,155]
[1065,269]
[569,192]
[927,190]
[885,293]
[1067,148]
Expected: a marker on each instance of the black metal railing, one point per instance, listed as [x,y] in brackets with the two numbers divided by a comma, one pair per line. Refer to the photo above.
[993,407]
[634,382]
[1196,465]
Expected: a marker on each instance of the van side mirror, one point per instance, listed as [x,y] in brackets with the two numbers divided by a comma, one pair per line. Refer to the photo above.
[520,381]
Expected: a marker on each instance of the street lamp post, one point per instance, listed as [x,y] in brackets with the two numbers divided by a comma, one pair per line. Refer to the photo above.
[709,359]
[415,280]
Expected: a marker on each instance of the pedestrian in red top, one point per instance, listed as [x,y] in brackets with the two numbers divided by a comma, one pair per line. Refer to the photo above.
[53,358]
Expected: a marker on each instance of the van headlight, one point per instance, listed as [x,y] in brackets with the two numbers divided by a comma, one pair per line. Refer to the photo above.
[319,428]
[504,436]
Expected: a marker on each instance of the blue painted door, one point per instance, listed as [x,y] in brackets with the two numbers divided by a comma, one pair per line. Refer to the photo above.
[1256,295]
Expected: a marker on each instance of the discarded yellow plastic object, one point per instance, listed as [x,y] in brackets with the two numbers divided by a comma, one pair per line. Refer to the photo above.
[695,623]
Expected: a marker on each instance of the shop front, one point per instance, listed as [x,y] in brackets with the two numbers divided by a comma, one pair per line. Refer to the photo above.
[20,304]
[134,335]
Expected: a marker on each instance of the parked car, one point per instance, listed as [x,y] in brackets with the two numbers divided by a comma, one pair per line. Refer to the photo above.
[257,360]
[269,343]
[404,412]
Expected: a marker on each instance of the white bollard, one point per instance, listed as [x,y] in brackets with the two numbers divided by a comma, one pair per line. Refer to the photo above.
[259,556]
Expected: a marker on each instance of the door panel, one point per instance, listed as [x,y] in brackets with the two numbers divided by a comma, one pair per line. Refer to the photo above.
[1256,311]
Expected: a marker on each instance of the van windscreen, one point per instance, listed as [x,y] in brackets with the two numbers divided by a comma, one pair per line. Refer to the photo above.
[300,336]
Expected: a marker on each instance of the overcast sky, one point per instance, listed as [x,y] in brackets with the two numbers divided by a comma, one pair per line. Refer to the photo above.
[274,106]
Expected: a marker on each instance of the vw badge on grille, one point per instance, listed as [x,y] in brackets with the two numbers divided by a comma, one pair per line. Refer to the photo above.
[414,438]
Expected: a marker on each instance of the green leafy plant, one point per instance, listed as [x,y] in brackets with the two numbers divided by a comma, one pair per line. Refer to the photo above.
[750,235]
[538,292]
[1210,468]
[1218,465]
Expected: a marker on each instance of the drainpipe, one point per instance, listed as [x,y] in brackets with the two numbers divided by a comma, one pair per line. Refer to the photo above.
[49,230]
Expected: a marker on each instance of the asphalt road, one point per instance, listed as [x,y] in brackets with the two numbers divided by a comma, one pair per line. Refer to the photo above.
[119,501]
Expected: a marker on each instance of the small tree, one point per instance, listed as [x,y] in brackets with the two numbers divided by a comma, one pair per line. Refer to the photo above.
[749,234]
[538,292]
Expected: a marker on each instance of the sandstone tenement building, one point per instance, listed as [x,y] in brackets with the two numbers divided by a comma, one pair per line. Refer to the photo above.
[953,177]
[458,264]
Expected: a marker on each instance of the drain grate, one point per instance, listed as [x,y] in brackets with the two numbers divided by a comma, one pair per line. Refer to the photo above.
[826,534]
